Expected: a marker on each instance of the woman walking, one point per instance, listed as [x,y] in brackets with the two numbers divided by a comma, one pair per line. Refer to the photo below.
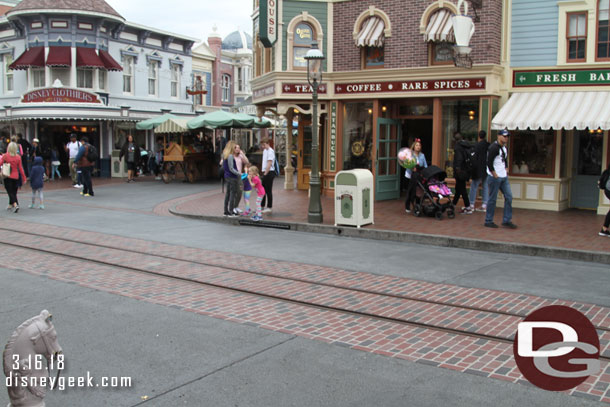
[17,176]
[413,175]
[231,175]
[131,151]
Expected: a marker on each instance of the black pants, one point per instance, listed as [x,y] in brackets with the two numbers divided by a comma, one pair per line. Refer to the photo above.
[411,189]
[87,184]
[607,220]
[460,190]
[267,182]
[231,187]
[11,189]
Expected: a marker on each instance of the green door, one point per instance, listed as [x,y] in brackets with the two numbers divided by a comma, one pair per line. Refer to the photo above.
[587,167]
[387,170]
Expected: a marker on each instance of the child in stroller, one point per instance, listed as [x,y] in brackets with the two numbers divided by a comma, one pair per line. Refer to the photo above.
[432,195]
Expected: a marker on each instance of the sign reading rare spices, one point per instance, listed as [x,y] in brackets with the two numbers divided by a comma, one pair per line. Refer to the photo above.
[268,22]
[411,86]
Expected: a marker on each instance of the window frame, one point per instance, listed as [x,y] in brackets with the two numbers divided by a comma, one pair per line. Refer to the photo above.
[101,79]
[85,74]
[568,37]
[225,86]
[432,52]
[8,74]
[153,63]
[35,72]
[295,46]
[511,147]
[128,61]
[597,57]
[174,81]
[363,64]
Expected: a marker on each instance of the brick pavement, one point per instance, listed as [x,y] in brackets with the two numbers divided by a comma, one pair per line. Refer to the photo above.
[570,229]
[447,350]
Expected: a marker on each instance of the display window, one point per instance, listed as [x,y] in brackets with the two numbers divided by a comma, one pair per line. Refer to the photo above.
[357,135]
[532,153]
[461,115]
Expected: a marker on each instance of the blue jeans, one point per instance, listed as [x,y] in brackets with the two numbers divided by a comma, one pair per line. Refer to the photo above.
[495,185]
[474,185]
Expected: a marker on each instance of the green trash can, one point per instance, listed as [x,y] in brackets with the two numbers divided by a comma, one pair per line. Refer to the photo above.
[354,197]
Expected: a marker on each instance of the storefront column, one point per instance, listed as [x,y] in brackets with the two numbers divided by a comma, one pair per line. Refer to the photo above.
[288,169]
[437,133]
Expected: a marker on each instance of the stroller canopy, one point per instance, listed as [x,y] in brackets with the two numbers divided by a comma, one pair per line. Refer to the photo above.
[434,172]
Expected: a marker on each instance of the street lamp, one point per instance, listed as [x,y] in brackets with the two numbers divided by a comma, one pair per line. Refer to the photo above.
[314,58]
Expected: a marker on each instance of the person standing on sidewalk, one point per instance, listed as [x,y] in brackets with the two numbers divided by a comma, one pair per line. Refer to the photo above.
[497,180]
[479,175]
[37,182]
[268,165]
[413,175]
[462,175]
[12,182]
[606,188]
[85,166]
[131,151]
[241,161]
[72,149]
[231,175]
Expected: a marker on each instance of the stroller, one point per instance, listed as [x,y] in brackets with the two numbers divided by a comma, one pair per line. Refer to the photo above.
[432,195]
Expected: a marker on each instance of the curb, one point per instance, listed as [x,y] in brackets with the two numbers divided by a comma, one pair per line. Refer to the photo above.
[419,238]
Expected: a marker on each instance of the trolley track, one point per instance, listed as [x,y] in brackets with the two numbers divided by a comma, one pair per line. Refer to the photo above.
[270,285]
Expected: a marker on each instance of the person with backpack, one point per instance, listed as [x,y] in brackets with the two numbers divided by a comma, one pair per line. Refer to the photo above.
[604,185]
[462,169]
[497,180]
[84,161]
[479,172]
[72,149]
[269,167]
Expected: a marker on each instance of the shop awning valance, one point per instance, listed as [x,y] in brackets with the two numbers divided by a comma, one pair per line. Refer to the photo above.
[173,125]
[556,110]
[440,27]
[109,61]
[371,34]
[31,58]
[88,58]
[60,57]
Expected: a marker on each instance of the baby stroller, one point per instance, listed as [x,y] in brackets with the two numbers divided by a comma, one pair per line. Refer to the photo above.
[432,195]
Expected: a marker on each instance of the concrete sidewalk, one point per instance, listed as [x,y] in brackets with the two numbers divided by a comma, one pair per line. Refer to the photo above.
[571,234]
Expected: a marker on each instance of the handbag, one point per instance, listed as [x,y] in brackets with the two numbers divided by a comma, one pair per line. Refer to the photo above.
[6,170]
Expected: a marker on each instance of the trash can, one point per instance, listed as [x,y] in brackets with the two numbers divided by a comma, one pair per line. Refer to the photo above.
[354,197]
[105,167]
[118,167]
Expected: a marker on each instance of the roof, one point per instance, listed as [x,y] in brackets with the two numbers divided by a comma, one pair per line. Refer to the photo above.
[237,40]
[79,6]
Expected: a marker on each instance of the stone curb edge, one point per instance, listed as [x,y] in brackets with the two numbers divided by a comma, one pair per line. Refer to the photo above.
[420,238]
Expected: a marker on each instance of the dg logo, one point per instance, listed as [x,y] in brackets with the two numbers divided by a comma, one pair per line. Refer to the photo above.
[556,348]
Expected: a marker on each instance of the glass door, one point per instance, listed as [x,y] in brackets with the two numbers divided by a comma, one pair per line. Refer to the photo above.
[304,157]
[387,170]
[586,169]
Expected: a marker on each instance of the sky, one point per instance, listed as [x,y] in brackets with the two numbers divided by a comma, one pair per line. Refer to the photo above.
[193,18]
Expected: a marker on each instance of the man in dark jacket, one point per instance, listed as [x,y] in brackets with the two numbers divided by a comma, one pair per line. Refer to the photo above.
[85,166]
[460,173]
[26,147]
[479,173]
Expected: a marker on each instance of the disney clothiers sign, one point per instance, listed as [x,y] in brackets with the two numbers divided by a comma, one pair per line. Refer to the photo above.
[59,95]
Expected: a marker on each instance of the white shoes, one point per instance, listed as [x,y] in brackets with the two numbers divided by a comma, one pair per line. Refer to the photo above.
[267,210]
[78,186]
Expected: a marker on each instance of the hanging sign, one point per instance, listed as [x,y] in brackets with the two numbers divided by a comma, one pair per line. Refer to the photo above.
[268,22]
[333,136]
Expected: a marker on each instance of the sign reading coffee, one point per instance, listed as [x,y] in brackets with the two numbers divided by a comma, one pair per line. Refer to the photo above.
[574,77]
[59,95]
[411,86]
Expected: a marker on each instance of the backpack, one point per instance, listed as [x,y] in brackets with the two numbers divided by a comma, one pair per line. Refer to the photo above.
[276,167]
[604,180]
[468,168]
[92,154]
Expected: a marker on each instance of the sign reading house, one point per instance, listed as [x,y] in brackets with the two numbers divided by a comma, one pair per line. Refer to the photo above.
[59,95]
[268,22]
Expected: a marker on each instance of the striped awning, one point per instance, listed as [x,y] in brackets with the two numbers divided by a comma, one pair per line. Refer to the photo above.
[556,110]
[173,125]
[371,34]
[31,58]
[440,27]
[60,57]
[88,58]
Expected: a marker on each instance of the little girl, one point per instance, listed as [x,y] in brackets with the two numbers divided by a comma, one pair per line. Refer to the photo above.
[37,182]
[255,181]
[247,190]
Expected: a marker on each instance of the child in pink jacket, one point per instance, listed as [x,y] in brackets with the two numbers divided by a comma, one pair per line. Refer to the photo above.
[255,181]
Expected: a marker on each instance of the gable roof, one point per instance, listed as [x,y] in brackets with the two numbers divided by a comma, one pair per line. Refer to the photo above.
[78,6]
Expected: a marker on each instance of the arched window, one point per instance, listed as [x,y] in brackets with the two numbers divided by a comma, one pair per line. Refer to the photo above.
[304,35]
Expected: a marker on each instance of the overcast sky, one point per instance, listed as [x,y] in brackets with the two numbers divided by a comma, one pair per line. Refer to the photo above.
[194,18]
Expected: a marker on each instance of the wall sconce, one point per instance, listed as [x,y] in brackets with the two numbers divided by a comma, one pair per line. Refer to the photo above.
[471,114]
[370,111]
[600,131]
[384,108]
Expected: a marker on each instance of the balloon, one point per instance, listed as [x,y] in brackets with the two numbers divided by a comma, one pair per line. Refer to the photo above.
[406,159]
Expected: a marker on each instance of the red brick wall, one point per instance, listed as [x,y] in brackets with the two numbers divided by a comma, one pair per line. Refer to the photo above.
[406,47]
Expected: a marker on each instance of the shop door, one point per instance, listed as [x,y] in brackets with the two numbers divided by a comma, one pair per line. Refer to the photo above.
[304,156]
[586,169]
[387,170]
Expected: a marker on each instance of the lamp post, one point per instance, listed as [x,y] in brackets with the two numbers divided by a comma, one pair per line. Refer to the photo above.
[314,58]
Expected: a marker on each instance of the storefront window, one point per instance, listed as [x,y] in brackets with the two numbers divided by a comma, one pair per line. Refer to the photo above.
[463,116]
[303,37]
[357,135]
[590,148]
[532,152]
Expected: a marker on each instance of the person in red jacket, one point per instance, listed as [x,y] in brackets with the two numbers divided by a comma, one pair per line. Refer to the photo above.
[13,182]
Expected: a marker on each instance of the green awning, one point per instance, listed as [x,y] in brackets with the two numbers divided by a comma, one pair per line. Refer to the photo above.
[221,118]
[150,124]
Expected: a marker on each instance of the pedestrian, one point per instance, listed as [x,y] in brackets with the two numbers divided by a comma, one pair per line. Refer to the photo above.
[497,180]
[158,161]
[260,192]
[55,163]
[268,166]
[37,182]
[17,175]
[72,149]
[479,174]
[85,166]
[460,172]
[230,175]
[247,189]
[605,186]
[413,175]
[240,161]
[131,151]
[25,152]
